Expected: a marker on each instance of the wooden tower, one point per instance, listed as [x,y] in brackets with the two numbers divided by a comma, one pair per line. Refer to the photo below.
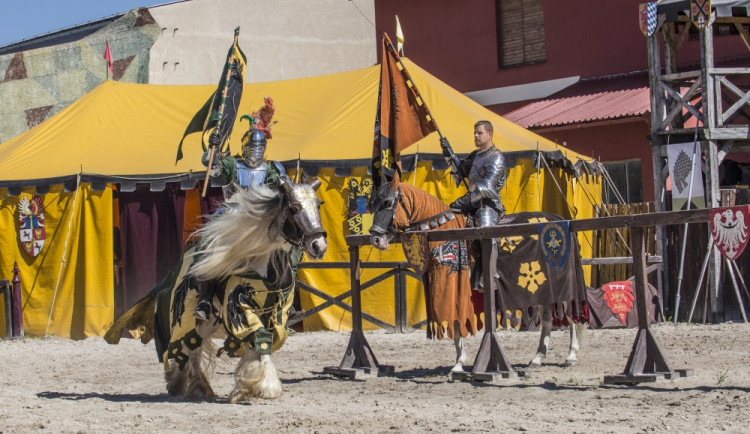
[715,99]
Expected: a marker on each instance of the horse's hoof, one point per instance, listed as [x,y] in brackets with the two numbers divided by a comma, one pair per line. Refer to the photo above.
[569,363]
[535,364]
[457,368]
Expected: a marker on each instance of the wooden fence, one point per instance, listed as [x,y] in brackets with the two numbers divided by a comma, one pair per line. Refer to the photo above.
[616,243]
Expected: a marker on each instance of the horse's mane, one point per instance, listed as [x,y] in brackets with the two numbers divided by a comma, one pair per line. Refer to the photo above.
[239,239]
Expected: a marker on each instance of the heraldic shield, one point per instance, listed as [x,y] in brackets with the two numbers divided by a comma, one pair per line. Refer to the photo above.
[31,232]
[647,18]
[416,250]
[729,229]
[554,241]
[700,12]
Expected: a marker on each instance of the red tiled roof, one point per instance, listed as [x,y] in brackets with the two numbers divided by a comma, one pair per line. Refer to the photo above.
[589,100]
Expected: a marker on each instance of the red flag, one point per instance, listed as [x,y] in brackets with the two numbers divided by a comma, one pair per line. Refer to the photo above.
[403,118]
[108,58]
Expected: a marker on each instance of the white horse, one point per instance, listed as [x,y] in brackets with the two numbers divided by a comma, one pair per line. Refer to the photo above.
[246,255]
[407,207]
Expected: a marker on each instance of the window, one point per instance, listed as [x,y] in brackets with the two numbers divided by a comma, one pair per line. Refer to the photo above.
[520,32]
[626,177]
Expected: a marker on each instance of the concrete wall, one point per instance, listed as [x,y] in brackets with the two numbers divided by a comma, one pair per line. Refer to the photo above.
[186,42]
[282,39]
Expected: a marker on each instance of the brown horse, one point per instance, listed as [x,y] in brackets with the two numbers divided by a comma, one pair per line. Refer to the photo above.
[558,296]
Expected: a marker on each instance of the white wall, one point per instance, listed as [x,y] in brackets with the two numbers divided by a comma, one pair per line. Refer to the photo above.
[282,39]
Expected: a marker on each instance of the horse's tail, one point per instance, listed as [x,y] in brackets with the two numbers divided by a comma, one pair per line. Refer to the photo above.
[138,320]
[149,317]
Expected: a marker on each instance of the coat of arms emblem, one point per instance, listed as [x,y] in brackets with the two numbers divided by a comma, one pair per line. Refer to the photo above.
[554,241]
[647,18]
[359,217]
[31,230]
[729,229]
[619,297]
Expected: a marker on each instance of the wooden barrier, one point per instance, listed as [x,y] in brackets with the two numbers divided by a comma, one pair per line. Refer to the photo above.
[11,290]
[646,362]
[17,306]
[5,288]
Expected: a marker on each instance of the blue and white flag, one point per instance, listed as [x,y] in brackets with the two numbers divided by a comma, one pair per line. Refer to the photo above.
[647,18]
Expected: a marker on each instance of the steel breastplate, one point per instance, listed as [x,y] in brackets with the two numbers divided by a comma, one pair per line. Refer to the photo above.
[251,176]
[479,167]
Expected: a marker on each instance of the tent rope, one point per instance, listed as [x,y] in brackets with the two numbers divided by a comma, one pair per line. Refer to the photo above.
[538,168]
[590,196]
[611,185]
[129,178]
[64,252]
[570,209]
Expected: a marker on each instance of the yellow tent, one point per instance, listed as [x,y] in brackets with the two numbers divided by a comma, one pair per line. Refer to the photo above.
[123,133]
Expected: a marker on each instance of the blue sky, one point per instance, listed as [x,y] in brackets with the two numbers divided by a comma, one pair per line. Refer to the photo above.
[23,19]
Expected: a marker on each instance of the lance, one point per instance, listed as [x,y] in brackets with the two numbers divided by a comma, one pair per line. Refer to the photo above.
[214,140]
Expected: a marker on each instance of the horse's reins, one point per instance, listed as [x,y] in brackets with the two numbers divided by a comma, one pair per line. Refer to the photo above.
[433,222]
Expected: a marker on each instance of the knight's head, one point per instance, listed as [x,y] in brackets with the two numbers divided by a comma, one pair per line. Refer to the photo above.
[253,148]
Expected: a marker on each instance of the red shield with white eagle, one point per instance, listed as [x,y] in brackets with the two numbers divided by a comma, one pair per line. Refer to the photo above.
[729,229]
[619,297]
[31,232]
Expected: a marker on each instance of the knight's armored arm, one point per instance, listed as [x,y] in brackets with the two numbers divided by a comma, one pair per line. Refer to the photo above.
[224,166]
[459,169]
[450,156]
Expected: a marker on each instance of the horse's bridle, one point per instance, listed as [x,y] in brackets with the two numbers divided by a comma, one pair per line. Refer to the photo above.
[294,230]
[392,205]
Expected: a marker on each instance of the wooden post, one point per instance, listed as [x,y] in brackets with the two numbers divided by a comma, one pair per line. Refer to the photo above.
[710,101]
[646,361]
[657,148]
[359,359]
[491,359]
[6,288]
[399,288]
[17,306]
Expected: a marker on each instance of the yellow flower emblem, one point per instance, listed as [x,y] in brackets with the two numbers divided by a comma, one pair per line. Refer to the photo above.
[531,276]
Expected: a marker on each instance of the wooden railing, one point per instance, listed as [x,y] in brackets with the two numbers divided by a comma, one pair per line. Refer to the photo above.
[398,270]
[646,362]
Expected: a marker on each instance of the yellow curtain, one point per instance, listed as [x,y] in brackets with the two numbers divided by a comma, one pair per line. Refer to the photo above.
[68,288]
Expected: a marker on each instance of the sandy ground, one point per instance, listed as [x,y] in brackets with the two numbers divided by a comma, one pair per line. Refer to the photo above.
[59,385]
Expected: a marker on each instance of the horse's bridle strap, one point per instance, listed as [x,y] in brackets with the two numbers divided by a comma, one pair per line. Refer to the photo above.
[432,222]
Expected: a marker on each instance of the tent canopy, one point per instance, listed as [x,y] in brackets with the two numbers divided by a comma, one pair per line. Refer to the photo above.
[125,132]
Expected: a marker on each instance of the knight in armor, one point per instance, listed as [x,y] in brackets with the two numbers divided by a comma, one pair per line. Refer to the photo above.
[485,170]
[248,170]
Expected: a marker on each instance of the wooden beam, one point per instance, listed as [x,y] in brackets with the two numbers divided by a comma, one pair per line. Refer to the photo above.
[682,101]
[728,133]
[744,99]
[728,71]
[680,76]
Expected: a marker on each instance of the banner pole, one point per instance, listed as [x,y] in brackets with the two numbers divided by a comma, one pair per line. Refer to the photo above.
[218,123]
[684,232]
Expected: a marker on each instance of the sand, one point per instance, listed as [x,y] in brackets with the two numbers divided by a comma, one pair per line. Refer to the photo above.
[60,385]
